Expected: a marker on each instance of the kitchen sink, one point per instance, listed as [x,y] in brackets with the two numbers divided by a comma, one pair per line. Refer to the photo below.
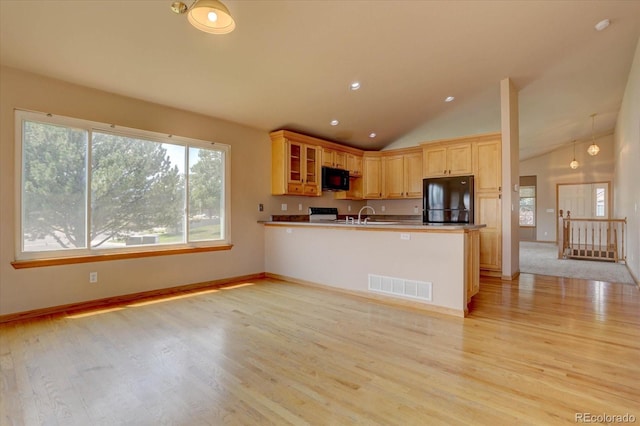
[381,222]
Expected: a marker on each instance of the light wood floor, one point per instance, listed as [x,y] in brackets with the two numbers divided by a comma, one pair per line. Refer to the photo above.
[534,351]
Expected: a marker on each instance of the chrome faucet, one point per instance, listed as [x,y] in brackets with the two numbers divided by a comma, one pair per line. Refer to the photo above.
[360,213]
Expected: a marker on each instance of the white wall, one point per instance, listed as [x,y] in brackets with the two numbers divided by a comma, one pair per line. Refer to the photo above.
[627,169]
[343,258]
[553,168]
[35,288]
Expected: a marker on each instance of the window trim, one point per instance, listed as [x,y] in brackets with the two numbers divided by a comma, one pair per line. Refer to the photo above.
[70,260]
[535,205]
[60,257]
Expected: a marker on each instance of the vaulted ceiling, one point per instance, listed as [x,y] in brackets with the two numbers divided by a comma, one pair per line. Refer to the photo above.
[289,64]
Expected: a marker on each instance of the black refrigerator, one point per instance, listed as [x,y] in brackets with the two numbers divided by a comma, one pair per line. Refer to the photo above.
[448,200]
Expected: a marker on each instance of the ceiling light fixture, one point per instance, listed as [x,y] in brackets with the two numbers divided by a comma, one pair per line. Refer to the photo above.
[372,135]
[593,149]
[449,98]
[355,85]
[334,122]
[602,25]
[210,16]
[574,164]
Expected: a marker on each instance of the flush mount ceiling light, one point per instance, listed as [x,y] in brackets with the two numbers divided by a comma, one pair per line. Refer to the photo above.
[372,135]
[210,16]
[574,164]
[449,99]
[593,149]
[355,85]
[334,122]
[602,25]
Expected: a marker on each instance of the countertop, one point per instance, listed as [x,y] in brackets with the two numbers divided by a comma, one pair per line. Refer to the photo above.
[377,225]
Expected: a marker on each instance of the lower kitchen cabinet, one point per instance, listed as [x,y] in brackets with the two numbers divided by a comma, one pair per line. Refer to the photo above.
[488,212]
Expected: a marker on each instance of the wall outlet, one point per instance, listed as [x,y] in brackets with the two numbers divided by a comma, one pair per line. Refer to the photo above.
[383,208]
[260,207]
[416,209]
[349,208]
[283,207]
[93,277]
[289,231]
[300,207]
[405,236]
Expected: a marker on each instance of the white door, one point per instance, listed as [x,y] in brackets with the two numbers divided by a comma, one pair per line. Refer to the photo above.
[584,200]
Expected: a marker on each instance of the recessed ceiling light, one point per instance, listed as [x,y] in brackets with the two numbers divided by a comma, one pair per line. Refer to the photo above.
[449,98]
[334,122]
[372,135]
[355,85]
[602,24]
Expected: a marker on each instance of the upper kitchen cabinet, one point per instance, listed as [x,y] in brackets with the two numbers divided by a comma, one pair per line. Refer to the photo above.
[446,159]
[487,163]
[354,164]
[402,174]
[372,176]
[297,161]
[333,158]
[295,168]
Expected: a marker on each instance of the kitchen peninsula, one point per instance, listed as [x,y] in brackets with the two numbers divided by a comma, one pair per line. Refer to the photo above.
[431,267]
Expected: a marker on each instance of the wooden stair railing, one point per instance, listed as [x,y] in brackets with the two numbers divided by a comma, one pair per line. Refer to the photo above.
[596,239]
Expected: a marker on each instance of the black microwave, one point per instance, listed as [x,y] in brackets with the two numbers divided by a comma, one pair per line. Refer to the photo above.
[335,179]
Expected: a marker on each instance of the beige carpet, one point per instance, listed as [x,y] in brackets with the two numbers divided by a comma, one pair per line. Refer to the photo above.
[542,259]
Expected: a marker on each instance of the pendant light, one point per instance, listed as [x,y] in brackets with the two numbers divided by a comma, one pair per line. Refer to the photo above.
[574,164]
[593,149]
[210,16]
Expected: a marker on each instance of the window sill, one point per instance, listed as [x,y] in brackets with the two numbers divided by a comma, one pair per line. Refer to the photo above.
[39,263]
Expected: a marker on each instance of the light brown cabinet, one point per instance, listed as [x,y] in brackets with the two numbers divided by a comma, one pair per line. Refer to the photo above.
[297,160]
[354,164]
[472,253]
[333,158]
[295,168]
[487,169]
[372,176]
[450,159]
[402,175]
[488,212]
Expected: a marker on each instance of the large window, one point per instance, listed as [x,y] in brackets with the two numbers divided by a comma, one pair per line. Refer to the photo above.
[88,187]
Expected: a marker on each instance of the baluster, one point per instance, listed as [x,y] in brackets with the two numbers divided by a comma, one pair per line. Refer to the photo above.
[560,235]
[579,238]
[600,238]
[615,247]
[623,255]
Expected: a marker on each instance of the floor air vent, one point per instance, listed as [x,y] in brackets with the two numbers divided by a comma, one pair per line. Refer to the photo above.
[420,290]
